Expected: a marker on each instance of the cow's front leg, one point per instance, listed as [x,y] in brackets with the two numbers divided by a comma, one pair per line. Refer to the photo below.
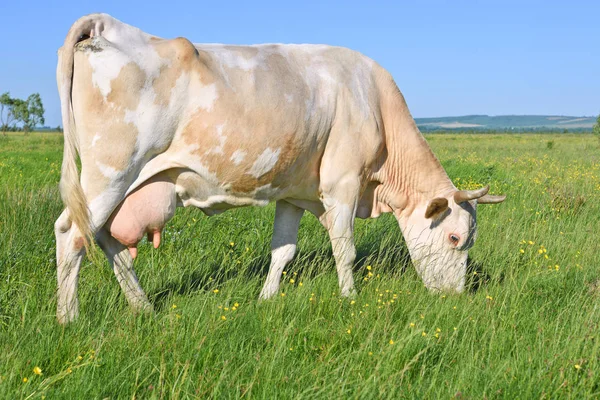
[70,249]
[283,244]
[340,204]
[122,264]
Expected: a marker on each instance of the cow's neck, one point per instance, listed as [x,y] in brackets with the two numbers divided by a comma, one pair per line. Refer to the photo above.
[411,173]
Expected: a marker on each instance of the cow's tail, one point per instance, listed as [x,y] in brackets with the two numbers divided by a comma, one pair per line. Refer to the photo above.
[70,186]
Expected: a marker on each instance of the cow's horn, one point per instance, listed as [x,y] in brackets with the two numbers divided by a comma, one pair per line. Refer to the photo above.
[490,199]
[465,195]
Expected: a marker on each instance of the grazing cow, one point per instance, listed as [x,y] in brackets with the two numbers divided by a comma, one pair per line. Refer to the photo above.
[160,123]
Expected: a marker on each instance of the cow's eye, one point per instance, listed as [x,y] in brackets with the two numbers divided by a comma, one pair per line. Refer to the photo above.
[454,238]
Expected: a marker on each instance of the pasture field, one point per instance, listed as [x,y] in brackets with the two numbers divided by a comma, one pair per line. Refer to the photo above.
[527,328]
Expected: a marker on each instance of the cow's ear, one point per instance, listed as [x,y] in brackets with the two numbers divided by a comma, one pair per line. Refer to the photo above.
[436,207]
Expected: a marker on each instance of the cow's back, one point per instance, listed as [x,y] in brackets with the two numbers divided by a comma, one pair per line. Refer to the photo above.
[274,112]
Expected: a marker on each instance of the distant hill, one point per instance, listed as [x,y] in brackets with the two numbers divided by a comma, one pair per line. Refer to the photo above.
[507,123]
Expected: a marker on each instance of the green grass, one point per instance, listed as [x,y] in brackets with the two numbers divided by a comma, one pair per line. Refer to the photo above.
[522,331]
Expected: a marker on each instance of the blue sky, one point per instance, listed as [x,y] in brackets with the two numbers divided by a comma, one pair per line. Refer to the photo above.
[448,57]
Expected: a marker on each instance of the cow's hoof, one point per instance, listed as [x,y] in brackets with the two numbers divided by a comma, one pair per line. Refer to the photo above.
[267,293]
[142,308]
[66,316]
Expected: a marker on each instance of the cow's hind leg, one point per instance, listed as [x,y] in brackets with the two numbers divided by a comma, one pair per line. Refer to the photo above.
[340,200]
[70,249]
[122,263]
[283,244]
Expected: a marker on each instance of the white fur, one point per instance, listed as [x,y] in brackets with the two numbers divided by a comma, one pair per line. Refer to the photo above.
[222,139]
[283,245]
[106,66]
[238,156]
[108,171]
[95,139]
[265,162]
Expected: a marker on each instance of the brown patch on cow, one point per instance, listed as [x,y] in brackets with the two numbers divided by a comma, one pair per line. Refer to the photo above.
[185,58]
[252,137]
[121,94]
[79,243]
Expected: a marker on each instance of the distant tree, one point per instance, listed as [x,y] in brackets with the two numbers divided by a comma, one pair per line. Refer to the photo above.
[596,128]
[9,112]
[30,112]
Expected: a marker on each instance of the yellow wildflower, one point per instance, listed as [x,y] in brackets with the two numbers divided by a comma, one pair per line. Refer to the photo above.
[25,380]
[224,318]
[216,291]
[577,366]
[292,281]
[236,304]
[368,267]
[391,341]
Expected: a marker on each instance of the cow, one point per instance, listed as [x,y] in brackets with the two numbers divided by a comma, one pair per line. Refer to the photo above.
[161,123]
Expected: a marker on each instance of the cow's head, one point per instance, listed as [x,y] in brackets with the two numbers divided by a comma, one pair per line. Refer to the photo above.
[439,234]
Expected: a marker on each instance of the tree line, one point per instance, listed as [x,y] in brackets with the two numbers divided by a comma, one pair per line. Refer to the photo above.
[596,128]
[18,114]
